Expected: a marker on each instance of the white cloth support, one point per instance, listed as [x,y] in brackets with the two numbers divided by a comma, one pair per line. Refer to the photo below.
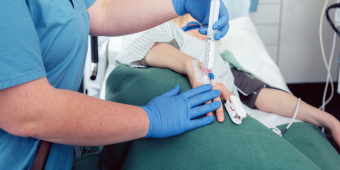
[250,54]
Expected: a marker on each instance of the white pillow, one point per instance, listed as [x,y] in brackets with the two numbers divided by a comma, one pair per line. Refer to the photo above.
[250,53]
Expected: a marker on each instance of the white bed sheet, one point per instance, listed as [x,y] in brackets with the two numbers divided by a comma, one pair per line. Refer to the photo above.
[243,41]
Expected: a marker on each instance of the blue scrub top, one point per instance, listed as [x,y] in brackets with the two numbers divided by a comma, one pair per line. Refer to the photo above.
[41,38]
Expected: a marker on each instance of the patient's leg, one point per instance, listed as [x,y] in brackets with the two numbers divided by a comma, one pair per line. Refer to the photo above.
[284,104]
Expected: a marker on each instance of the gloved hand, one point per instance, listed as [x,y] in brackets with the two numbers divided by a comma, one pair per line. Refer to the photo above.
[200,9]
[170,114]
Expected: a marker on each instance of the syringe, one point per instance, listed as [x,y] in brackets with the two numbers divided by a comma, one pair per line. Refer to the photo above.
[211,42]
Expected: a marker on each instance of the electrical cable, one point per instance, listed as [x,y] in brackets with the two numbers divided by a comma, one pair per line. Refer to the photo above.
[330,65]
[324,56]
[280,132]
[296,110]
[336,17]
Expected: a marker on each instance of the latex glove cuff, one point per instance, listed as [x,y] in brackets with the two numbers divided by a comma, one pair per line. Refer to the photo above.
[148,111]
[179,7]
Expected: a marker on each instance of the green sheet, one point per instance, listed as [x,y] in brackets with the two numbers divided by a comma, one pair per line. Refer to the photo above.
[311,142]
[217,146]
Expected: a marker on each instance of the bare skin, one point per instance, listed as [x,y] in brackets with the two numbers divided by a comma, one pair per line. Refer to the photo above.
[122,17]
[163,55]
[39,110]
[68,117]
[284,104]
[268,100]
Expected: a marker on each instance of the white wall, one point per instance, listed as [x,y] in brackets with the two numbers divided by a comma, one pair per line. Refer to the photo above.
[267,21]
[290,31]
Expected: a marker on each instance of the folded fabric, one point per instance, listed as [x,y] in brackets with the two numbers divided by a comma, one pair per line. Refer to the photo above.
[243,47]
[225,145]
[310,141]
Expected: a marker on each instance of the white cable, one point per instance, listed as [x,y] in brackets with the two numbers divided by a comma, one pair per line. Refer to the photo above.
[330,65]
[280,132]
[324,56]
[296,110]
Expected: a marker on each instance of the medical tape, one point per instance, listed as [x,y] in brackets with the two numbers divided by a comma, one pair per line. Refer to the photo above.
[203,75]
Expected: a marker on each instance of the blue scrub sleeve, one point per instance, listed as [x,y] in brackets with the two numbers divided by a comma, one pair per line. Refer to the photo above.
[89,3]
[20,52]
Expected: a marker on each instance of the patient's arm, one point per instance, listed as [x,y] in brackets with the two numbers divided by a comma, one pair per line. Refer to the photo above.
[163,55]
[284,104]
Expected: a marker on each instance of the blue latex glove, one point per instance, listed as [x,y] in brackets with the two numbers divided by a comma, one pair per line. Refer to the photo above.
[200,9]
[170,114]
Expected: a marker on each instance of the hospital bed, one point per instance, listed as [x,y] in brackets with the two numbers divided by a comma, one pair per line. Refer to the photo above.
[248,146]
[254,60]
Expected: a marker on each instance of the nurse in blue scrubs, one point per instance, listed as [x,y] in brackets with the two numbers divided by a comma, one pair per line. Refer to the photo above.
[43,45]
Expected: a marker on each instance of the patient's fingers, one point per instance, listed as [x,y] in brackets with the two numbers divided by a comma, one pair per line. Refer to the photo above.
[201,110]
[196,91]
[225,93]
[202,98]
[219,111]
[172,92]
[210,113]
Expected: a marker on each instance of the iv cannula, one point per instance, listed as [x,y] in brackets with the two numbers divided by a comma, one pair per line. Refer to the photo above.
[211,42]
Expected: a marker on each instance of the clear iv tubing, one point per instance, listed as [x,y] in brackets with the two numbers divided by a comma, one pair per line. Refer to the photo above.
[211,42]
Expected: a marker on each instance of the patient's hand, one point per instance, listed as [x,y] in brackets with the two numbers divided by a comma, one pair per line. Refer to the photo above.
[336,135]
[330,122]
[225,93]
[335,130]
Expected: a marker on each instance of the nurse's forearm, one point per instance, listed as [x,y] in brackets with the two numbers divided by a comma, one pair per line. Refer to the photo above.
[68,117]
[121,17]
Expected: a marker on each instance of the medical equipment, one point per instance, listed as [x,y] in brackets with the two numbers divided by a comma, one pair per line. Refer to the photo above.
[94,57]
[280,132]
[329,76]
[211,42]
[242,35]
[235,109]
[334,27]
[203,75]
